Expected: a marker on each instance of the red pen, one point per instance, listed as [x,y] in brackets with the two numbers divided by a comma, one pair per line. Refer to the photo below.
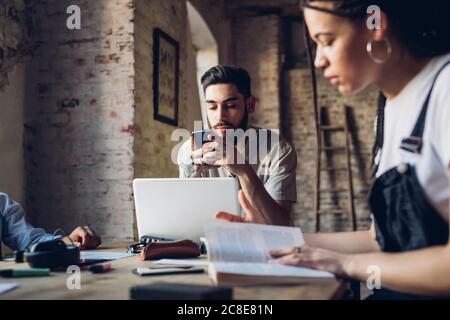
[100,268]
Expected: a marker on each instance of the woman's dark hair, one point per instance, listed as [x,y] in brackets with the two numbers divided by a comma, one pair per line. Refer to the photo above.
[420,27]
[228,74]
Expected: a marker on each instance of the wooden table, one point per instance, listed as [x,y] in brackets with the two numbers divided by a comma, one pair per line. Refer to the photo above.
[116,284]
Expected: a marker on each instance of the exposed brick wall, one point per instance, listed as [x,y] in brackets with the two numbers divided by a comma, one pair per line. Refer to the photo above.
[79,118]
[11,135]
[256,44]
[15,48]
[89,106]
[299,126]
[15,43]
[153,146]
[89,117]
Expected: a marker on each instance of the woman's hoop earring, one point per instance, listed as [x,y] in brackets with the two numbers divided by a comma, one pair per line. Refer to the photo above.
[372,56]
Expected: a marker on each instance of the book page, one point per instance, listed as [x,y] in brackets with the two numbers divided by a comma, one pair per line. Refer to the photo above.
[269,269]
[245,242]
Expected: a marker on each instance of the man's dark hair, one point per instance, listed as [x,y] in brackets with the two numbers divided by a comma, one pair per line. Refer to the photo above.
[228,75]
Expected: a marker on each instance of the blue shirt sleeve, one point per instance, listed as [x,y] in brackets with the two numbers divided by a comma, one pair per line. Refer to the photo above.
[17,233]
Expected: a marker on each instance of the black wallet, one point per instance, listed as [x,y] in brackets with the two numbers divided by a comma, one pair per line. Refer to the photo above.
[178,291]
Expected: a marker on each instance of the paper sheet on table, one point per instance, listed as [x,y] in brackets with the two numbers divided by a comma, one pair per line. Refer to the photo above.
[9,260]
[184,262]
[5,287]
[107,255]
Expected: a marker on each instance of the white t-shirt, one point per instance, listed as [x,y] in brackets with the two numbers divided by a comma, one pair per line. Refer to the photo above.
[401,115]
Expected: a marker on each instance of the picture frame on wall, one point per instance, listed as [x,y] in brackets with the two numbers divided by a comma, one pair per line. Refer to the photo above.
[166,60]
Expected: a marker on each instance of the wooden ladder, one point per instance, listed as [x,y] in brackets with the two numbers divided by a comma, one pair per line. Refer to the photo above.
[323,147]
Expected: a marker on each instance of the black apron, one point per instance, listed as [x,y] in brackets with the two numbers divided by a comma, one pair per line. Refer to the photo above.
[404,219]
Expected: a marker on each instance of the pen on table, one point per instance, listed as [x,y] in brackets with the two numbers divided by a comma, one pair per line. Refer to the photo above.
[18,273]
[100,268]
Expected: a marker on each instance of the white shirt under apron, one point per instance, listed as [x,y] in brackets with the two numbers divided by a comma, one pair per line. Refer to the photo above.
[400,116]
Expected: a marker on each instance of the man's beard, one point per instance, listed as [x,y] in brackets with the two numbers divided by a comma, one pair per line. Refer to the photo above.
[243,124]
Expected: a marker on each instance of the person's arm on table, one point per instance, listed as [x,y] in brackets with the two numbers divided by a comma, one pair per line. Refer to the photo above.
[421,272]
[18,234]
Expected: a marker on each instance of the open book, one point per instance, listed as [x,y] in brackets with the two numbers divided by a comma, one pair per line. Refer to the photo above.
[238,254]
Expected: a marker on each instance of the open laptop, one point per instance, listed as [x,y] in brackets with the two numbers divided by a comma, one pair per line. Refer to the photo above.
[178,208]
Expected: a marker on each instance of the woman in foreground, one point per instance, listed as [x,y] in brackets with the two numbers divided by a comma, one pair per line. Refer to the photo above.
[406,56]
